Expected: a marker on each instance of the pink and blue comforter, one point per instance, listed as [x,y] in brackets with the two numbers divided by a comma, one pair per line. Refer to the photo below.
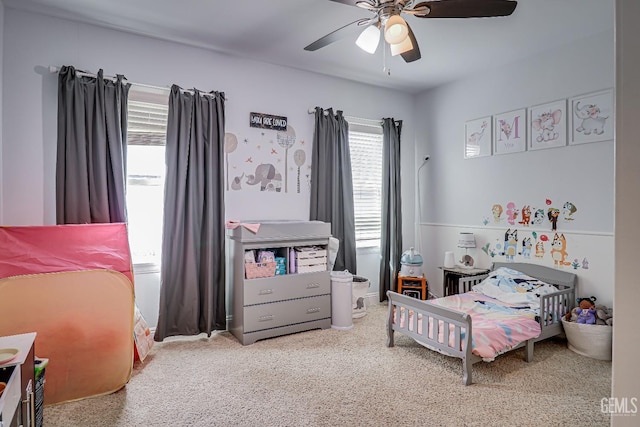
[503,309]
[497,327]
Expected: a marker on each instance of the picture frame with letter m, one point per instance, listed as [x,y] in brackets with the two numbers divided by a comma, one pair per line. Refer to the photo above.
[510,132]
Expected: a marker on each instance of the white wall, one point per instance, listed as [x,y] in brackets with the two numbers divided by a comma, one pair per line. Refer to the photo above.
[626,335]
[34,42]
[457,194]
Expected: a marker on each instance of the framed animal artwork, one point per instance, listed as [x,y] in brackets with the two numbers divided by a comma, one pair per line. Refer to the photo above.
[510,131]
[548,125]
[591,117]
[477,138]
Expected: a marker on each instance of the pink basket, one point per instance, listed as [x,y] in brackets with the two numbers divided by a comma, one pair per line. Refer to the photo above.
[261,269]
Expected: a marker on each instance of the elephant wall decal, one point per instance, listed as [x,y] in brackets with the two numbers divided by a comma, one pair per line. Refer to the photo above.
[267,176]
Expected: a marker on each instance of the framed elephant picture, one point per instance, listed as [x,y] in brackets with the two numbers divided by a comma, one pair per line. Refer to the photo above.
[591,117]
[548,125]
[477,138]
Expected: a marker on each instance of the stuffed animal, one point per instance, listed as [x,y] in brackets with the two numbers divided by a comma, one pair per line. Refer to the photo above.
[604,315]
[586,311]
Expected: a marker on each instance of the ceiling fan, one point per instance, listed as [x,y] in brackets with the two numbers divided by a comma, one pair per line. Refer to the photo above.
[397,32]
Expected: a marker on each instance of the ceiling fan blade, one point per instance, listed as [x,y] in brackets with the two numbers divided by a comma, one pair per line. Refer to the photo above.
[413,54]
[466,8]
[349,2]
[336,35]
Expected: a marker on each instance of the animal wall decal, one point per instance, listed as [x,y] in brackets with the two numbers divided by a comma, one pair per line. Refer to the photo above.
[559,251]
[237,182]
[510,244]
[526,216]
[512,213]
[496,211]
[526,247]
[530,215]
[534,244]
[568,209]
[267,176]
[257,163]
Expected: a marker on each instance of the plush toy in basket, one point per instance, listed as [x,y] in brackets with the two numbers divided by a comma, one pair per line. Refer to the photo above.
[588,329]
[586,311]
[589,313]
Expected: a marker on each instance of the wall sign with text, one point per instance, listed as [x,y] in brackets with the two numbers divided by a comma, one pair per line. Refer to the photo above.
[267,121]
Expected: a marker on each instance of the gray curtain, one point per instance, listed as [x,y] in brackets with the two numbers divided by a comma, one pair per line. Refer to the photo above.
[391,235]
[92,148]
[192,292]
[332,185]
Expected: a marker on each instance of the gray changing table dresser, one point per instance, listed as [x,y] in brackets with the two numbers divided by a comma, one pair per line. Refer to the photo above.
[282,304]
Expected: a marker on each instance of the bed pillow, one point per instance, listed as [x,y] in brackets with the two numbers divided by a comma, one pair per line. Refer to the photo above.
[514,287]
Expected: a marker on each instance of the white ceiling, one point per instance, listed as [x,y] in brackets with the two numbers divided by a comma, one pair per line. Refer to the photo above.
[276,31]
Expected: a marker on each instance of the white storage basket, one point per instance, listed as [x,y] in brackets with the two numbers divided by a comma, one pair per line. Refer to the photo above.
[589,340]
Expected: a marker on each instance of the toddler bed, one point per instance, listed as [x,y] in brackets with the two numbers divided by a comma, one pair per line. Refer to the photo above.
[517,305]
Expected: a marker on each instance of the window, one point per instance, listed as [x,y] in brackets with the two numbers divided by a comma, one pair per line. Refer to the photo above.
[146,140]
[365,145]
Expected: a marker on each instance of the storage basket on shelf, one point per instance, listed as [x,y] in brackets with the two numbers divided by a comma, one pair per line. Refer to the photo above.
[589,340]
[256,270]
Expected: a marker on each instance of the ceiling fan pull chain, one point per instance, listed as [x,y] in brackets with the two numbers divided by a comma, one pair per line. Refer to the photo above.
[385,69]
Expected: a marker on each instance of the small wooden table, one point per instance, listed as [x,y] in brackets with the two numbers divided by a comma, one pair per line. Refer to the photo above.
[413,286]
[452,276]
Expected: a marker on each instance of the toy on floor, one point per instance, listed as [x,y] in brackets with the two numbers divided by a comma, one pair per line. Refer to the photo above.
[590,314]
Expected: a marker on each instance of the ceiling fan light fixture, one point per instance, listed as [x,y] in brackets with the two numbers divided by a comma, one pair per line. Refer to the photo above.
[402,47]
[368,40]
[395,30]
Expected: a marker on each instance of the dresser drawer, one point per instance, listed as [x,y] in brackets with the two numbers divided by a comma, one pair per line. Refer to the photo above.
[288,286]
[276,314]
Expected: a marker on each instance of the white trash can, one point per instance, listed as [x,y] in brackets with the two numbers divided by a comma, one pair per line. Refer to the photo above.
[341,290]
[359,298]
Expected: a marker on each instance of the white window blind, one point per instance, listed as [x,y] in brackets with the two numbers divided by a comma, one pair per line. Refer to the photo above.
[365,145]
[146,139]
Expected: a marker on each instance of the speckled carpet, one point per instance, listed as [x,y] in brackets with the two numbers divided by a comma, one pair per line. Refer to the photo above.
[348,378]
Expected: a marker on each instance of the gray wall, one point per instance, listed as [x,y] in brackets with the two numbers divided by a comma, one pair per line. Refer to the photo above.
[626,334]
[457,193]
[33,42]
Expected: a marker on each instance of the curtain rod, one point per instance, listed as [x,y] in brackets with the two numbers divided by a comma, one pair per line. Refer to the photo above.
[53,69]
[360,119]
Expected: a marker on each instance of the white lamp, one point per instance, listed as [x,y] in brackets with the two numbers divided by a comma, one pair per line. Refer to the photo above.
[402,47]
[395,30]
[369,39]
[467,240]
